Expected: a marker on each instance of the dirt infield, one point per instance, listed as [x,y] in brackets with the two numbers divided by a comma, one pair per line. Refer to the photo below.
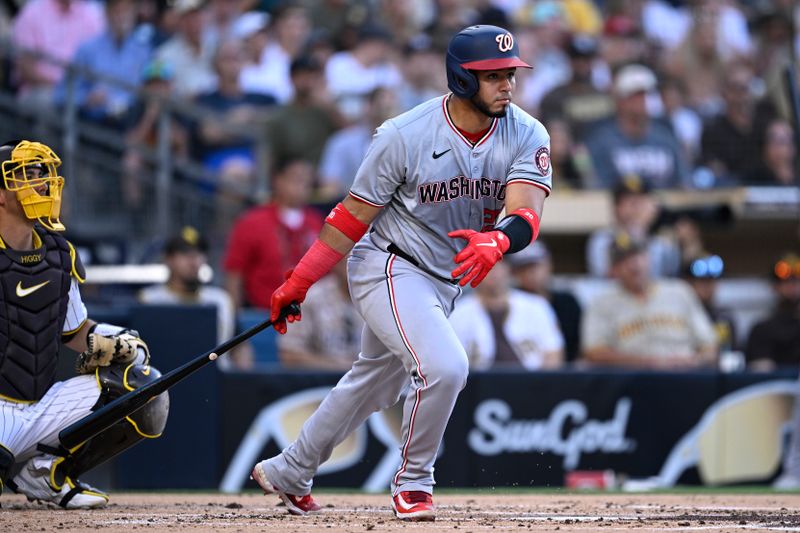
[462,512]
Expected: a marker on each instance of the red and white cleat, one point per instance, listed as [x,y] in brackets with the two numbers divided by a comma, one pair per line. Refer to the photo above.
[296,505]
[414,505]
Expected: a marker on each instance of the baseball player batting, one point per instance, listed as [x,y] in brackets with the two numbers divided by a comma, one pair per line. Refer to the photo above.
[422,214]
[40,309]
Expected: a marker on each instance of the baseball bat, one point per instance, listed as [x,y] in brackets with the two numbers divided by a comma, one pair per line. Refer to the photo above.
[114,411]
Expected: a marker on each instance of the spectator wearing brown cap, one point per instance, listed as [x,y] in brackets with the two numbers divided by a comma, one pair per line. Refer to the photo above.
[633,143]
[646,323]
[635,212]
[185,255]
[775,341]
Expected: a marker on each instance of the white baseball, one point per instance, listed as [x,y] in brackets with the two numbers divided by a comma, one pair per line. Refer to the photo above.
[212,356]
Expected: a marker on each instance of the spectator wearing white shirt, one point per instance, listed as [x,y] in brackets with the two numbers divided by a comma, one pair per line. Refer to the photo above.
[501,327]
[190,52]
[352,75]
[185,254]
[289,34]
[251,29]
[532,270]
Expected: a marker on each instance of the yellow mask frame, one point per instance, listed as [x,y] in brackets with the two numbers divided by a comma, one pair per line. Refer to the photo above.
[32,174]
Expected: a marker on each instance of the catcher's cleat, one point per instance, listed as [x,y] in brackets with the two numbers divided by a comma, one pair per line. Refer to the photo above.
[34,482]
[296,505]
[414,506]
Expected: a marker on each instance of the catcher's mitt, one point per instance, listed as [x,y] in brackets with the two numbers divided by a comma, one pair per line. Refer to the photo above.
[104,350]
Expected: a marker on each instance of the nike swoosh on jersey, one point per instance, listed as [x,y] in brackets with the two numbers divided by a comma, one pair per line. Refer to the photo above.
[437,156]
[23,292]
[492,244]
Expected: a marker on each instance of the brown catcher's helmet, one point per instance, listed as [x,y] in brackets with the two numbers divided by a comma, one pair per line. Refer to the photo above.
[30,170]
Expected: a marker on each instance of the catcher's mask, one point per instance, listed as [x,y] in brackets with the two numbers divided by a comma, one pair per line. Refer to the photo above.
[30,170]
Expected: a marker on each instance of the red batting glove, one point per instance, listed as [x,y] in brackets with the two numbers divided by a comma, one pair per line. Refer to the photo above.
[317,261]
[482,252]
[294,289]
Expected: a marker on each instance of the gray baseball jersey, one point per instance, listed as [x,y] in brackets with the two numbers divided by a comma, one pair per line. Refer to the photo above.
[430,180]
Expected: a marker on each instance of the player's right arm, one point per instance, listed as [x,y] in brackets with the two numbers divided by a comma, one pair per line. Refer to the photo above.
[344,226]
[378,178]
[334,237]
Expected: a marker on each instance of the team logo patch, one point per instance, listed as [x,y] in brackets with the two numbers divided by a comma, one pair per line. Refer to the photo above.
[542,159]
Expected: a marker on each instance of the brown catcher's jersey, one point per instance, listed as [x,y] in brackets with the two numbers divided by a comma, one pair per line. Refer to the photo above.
[38,289]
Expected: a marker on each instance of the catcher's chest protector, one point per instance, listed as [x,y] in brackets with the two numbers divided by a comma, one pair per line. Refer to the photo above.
[34,288]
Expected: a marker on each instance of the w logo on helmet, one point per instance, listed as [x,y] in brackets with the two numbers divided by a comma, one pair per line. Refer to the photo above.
[505,42]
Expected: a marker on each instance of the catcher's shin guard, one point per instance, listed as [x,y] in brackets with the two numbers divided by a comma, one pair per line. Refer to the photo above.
[147,422]
[6,462]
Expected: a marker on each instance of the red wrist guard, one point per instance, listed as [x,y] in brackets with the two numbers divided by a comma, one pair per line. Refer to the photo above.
[343,220]
[530,216]
[316,263]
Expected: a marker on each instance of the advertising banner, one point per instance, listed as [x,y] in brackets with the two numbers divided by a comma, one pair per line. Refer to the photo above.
[533,429]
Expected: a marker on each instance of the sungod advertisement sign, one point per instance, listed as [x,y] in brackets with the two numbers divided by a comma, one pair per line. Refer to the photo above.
[532,429]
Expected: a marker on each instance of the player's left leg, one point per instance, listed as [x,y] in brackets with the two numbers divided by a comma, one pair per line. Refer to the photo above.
[375,382]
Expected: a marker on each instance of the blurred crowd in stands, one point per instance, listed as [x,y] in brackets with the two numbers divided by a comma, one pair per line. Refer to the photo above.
[638,95]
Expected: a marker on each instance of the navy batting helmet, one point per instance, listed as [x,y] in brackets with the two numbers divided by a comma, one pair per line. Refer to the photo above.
[480,47]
